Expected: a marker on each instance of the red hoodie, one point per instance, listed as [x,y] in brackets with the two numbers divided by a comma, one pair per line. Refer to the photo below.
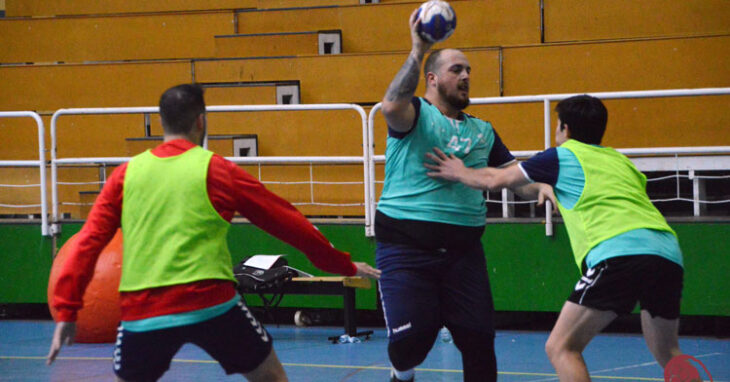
[230,189]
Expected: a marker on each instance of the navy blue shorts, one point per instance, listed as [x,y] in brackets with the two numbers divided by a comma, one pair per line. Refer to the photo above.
[618,283]
[235,339]
[423,290]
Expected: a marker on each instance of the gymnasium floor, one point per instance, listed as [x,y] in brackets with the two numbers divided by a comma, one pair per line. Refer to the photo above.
[308,356]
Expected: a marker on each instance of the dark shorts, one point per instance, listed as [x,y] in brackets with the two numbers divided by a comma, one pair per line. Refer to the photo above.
[422,290]
[235,339]
[618,283]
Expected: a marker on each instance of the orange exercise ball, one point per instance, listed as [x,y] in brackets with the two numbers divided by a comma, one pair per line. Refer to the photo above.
[99,318]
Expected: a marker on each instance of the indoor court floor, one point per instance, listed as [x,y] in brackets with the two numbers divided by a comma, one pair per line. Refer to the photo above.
[307,355]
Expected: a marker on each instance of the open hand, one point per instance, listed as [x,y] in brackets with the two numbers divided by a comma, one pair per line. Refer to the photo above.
[445,167]
[365,270]
[545,193]
[64,334]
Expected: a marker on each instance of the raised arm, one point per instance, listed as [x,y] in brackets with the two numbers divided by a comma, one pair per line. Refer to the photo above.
[397,107]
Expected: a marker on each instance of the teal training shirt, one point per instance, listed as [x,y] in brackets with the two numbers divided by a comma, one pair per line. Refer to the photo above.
[410,194]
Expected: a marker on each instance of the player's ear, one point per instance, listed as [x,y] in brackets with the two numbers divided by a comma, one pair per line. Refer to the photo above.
[567,130]
[200,121]
[430,76]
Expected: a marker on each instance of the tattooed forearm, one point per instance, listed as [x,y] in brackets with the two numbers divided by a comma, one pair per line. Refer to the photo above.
[405,82]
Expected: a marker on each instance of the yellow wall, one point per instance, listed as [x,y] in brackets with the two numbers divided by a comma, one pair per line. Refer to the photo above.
[349,78]
[243,95]
[634,65]
[78,39]
[263,45]
[571,20]
[295,133]
[51,87]
[384,27]
[96,7]
[18,139]
[618,66]
[272,4]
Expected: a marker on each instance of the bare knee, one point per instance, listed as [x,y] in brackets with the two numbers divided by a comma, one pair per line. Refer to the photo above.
[558,348]
[553,348]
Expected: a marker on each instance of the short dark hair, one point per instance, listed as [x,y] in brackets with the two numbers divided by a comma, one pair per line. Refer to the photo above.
[180,106]
[431,62]
[586,117]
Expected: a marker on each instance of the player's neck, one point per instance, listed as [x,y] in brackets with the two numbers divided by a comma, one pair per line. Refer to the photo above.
[172,137]
[444,107]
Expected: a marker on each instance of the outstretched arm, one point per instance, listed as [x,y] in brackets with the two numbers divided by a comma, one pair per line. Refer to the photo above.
[540,191]
[397,107]
[449,167]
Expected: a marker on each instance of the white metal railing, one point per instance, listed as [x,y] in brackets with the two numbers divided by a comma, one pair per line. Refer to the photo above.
[546,99]
[40,163]
[364,160]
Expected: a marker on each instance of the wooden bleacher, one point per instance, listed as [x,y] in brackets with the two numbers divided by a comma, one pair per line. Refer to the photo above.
[236,47]
[267,44]
[384,27]
[588,20]
[35,8]
[112,38]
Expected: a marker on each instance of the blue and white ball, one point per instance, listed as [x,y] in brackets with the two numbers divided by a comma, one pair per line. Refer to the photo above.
[438,20]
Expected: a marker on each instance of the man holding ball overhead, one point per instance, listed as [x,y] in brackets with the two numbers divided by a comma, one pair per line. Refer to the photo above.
[428,231]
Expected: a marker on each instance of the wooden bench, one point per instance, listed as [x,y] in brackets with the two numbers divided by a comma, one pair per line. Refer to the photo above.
[331,286]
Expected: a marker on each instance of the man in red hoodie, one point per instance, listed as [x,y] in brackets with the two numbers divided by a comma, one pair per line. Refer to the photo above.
[177,284]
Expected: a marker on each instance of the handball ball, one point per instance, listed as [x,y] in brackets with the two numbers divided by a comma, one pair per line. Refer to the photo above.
[438,20]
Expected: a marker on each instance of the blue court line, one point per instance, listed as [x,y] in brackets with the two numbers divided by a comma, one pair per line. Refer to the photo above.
[325,366]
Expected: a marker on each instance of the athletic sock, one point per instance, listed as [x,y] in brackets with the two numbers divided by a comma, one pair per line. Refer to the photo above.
[402,376]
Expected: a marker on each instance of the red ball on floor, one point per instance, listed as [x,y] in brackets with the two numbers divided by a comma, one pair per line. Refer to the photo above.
[99,318]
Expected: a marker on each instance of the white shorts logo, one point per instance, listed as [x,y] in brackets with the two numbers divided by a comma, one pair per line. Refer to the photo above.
[260,330]
[585,280]
[402,328]
[118,349]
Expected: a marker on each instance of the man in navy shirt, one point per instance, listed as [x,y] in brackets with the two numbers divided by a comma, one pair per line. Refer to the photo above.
[624,245]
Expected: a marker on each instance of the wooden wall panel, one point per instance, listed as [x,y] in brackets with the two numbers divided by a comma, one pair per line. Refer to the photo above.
[618,66]
[291,20]
[342,78]
[79,39]
[570,20]
[295,133]
[384,27]
[267,45]
[241,95]
[18,139]
[97,135]
[17,8]
[51,87]
[273,4]
[668,122]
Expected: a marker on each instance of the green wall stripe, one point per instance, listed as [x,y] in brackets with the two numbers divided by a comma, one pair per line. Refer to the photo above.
[528,271]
